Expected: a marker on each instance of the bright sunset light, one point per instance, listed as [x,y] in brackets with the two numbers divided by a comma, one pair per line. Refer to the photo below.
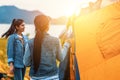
[53,8]
[70,12]
[59,39]
[74,7]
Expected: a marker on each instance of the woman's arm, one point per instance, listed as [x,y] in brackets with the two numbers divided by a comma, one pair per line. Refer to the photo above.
[62,51]
[10,49]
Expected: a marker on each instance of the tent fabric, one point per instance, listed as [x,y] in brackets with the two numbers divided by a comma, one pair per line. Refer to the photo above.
[97,37]
[108,38]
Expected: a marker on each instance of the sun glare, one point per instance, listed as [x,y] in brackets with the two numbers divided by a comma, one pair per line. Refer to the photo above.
[74,8]
[69,12]
[71,9]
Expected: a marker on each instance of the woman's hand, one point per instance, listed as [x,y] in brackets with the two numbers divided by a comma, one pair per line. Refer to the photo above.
[11,68]
[70,37]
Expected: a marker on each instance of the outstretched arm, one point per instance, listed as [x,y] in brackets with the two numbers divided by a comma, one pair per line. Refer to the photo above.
[62,51]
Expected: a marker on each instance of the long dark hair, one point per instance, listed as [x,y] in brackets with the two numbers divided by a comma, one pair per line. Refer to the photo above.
[12,29]
[41,24]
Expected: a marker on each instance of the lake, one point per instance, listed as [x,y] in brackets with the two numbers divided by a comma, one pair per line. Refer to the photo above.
[54,30]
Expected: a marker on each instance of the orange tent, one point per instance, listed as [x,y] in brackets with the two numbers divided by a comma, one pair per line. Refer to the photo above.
[97,37]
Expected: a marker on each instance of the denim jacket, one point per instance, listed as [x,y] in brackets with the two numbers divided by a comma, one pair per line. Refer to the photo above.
[15,50]
[51,50]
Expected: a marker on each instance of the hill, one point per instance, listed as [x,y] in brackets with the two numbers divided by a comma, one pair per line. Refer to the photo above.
[8,13]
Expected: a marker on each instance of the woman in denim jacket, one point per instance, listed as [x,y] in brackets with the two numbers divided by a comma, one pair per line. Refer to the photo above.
[42,51]
[16,48]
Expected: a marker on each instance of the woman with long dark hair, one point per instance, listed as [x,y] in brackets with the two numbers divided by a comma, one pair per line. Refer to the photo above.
[16,48]
[42,51]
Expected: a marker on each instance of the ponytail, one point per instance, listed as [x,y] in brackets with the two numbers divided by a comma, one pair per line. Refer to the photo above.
[12,29]
[37,49]
[41,24]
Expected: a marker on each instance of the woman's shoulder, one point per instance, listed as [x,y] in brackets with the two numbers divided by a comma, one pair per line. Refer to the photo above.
[12,36]
[55,39]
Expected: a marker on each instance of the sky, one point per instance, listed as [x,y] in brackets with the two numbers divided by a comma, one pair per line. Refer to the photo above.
[53,8]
